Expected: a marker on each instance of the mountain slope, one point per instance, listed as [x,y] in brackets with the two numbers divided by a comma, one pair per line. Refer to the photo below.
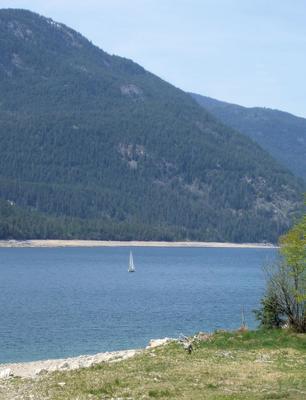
[282,134]
[97,139]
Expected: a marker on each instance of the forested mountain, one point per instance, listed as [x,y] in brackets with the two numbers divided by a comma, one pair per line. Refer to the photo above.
[282,134]
[94,146]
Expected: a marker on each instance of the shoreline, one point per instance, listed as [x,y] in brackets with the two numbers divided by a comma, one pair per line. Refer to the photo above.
[134,243]
[33,369]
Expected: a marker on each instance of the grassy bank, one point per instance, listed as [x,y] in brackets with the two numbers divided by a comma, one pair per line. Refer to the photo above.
[249,365]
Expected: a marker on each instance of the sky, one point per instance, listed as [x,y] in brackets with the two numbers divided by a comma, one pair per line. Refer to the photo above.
[248,52]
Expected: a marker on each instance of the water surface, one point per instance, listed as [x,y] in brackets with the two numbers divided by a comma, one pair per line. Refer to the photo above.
[60,302]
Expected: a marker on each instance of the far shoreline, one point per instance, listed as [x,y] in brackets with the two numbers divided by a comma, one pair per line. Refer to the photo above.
[134,243]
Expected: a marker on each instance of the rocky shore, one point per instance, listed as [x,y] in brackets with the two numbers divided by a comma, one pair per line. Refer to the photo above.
[37,368]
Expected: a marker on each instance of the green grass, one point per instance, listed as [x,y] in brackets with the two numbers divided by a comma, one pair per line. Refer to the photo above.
[249,365]
[269,339]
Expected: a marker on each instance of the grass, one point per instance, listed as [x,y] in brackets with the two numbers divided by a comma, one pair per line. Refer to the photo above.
[248,365]
[268,339]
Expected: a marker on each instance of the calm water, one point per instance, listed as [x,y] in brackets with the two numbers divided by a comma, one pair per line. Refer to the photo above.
[65,302]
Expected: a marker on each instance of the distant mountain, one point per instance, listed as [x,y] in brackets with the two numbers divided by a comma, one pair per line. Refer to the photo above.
[282,134]
[94,146]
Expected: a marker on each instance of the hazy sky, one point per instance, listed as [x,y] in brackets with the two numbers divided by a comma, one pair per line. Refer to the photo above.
[249,52]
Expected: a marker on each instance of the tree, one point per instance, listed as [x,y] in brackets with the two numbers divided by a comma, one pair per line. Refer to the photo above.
[285,297]
[270,314]
[293,249]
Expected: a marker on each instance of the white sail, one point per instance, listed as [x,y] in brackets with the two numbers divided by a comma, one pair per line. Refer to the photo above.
[131,263]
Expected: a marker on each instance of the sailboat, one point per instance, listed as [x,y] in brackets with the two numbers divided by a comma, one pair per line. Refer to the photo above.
[131,264]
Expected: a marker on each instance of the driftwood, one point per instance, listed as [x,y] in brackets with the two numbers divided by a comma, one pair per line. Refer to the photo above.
[186,342]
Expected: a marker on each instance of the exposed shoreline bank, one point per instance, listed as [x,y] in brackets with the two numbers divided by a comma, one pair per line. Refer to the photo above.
[111,243]
[32,369]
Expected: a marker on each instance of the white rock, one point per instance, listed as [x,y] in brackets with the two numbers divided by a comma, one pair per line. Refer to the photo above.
[6,373]
[158,342]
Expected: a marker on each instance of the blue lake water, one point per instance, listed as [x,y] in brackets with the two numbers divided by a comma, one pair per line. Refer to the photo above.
[70,301]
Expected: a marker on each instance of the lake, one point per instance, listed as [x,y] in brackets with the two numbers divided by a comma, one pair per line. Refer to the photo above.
[60,302]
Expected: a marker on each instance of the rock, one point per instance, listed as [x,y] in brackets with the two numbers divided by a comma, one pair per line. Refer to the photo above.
[159,342]
[6,373]
[40,371]
[130,90]
[65,365]
[203,337]
[263,358]
[225,354]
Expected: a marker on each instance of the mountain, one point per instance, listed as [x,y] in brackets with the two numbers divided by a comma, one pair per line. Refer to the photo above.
[94,146]
[282,134]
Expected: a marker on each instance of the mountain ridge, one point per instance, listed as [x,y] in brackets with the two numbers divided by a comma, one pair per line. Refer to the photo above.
[280,133]
[116,152]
